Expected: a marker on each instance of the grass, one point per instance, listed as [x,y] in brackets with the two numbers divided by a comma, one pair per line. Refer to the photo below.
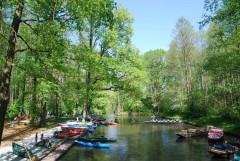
[228,125]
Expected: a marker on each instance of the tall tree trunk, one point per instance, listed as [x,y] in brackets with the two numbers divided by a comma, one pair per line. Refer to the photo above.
[23,96]
[77,110]
[57,107]
[88,78]
[88,102]
[6,73]
[43,113]
[34,101]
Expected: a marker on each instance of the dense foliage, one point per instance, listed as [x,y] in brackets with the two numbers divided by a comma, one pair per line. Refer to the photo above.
[201,69]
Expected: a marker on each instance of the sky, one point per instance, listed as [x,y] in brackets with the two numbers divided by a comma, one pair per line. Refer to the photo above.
[155,20]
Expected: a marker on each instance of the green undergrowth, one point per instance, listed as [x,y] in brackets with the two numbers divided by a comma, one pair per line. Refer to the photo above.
[229,125]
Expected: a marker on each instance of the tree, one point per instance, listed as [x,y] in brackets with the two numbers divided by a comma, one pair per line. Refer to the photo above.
[223,54]
[180,65]
[155,64]
[33,22]
[105,51]
[6,72]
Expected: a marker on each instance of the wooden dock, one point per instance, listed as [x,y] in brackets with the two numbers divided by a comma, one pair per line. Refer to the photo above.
[59,151]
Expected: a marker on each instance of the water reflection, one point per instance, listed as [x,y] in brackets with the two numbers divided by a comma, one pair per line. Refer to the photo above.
[144,142]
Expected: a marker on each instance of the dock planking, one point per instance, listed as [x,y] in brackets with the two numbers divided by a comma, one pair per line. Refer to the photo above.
[59,151]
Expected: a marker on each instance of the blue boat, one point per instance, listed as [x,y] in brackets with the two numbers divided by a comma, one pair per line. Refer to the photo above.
[95,145]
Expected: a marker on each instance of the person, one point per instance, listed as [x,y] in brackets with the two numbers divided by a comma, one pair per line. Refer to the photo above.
[36,137]
[47,142]
[116,120]
[41,137]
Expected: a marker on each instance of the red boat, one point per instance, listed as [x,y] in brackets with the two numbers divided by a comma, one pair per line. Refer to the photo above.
[76,129]
[215,134]
[68,134]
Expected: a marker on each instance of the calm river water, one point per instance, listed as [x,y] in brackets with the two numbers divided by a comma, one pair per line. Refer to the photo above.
[143,142]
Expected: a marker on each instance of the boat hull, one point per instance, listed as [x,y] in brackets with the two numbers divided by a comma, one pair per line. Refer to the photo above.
[95,145]
[21,150]
[215,135]
[76,129]
[101,139]
[163,122]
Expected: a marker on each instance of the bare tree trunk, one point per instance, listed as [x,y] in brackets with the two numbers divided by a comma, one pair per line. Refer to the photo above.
[6,73]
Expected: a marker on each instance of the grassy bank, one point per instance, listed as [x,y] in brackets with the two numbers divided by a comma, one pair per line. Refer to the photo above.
[229,125]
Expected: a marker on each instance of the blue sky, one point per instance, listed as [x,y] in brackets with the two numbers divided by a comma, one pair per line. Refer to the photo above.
[155,20]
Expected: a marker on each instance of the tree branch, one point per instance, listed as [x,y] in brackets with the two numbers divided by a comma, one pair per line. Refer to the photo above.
[29,47]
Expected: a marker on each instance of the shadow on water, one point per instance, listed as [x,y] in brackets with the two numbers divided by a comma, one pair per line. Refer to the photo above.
[144,142]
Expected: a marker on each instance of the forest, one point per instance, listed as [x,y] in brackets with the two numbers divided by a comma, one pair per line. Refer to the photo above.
[76,57]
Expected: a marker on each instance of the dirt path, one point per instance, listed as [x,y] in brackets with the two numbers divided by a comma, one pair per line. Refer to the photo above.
[21,130]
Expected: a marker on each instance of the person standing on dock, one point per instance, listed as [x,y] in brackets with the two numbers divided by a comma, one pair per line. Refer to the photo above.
[42,137]
[36,137]
[47,141]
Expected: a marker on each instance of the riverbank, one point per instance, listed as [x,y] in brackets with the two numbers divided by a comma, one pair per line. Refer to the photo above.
[7,154]
[24,133]
[230,126]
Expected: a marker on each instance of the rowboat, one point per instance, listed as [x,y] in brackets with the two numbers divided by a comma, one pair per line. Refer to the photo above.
[21,151]
[97,139]
[163,121]
[187,133]
[192,132]
[215,134]
[222,149]
[95,145]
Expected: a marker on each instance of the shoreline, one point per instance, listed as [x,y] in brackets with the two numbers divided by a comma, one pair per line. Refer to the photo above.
[6,152]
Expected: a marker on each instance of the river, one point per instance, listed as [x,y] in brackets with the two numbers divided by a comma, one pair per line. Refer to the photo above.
[143,142]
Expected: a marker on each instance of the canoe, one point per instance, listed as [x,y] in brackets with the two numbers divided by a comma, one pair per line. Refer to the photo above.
[103,123]
[21,151]
[76,129]
[67,134]
[112,123]
[97,139]
[95,145]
